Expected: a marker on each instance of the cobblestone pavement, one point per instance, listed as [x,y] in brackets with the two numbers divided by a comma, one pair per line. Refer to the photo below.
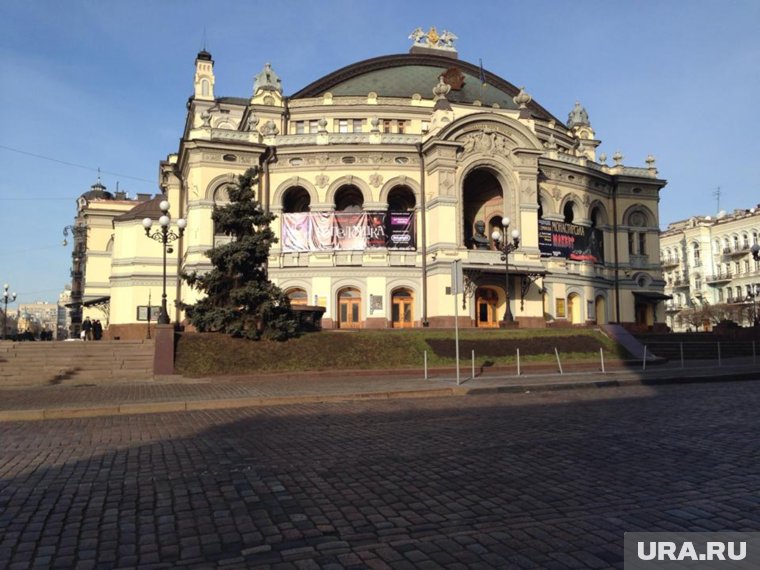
[549,480]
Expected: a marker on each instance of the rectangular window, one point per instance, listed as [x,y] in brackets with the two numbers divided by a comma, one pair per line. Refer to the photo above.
[737,268]
[631,243]
[720,295]
[402,126]
[729,294]
[746,266]
[387,125]
[313,127]
[357,125]
[342,125]
[642,243]
[300,127]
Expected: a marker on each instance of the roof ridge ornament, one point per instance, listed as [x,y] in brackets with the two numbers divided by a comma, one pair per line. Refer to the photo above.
[433,40]
[267,80]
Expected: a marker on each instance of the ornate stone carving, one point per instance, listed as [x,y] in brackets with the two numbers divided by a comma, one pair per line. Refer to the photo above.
[528,189]
[586,200]
[252,122]
[269,129]
[556,194]
[376,180]
[447,183]
[433,40]
[486,142]
[321,180]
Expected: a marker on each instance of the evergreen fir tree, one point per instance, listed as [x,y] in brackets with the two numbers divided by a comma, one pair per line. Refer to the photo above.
[240,299]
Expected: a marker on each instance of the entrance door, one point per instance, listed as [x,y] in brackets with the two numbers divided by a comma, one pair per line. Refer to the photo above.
[349,308]
[402,311]
[486,302]
[641,314]
[574,308]
[600,307]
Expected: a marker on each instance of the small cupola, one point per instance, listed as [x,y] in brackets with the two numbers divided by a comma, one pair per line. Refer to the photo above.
[203,82]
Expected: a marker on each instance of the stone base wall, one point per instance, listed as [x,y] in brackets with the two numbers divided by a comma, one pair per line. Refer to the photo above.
[130,331]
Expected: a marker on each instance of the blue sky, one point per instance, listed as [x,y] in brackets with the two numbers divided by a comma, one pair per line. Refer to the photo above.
[103,84]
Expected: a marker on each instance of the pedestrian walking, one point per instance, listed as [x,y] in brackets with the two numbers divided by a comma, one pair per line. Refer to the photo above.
[87,328]
[97,330]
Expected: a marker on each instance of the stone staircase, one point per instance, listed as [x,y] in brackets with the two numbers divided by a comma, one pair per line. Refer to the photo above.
[75,362]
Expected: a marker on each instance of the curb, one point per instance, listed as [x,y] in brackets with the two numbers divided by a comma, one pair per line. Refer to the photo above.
[257,402]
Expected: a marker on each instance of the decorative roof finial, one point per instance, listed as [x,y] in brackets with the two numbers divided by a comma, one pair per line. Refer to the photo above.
[650,162]
[432,39]
[578,117]
[522,98]
[267,80]
[618,158]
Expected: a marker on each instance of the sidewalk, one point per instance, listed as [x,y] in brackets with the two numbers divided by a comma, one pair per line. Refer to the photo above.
[172,394]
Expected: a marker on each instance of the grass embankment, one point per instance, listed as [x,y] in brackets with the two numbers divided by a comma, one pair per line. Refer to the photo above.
[216,354]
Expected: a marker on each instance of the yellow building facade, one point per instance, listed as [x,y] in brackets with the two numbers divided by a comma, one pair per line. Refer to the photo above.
[382,175]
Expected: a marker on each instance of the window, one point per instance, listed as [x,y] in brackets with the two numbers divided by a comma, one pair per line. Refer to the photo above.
[402,126]
[387,125]
[642,243]
[738,293]
[729,294]
[736,243]
[746,266]
[720,295]
[357,125]
[696,253]
[737,267]
[569,212]
[313,127]
[300,127]
[745,241]
[342,125]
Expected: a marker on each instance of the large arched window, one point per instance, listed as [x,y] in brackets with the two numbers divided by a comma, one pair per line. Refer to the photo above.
[401,199]
[349,198]
[297,296]
[483,199]
[296,199]
[637,233]
[569,212]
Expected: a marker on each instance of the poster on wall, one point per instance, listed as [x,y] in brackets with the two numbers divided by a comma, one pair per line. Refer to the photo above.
[570,241]
[329,231]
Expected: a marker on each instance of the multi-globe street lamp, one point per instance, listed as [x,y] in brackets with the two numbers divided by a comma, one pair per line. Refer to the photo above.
[79,232]
[7,298]
[506,247]
[164,235]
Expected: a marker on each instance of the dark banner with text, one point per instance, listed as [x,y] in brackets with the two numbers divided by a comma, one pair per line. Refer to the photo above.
[570,241]
[328,231]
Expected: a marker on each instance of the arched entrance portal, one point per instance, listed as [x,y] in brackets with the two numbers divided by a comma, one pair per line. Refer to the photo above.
[600,310]
[486,303]
[574,312]
[402,309]
[483,201]
[349,308]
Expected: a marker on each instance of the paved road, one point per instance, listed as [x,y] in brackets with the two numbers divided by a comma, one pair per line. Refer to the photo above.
[549,480]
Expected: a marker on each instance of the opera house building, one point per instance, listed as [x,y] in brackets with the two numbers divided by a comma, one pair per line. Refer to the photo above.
[388,178]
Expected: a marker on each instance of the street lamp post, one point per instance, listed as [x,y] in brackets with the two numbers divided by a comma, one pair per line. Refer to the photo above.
[506,247]
[752,295]
[7,297]
[79,232]
[164,236]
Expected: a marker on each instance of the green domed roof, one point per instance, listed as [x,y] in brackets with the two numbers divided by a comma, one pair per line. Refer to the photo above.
[404,75]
